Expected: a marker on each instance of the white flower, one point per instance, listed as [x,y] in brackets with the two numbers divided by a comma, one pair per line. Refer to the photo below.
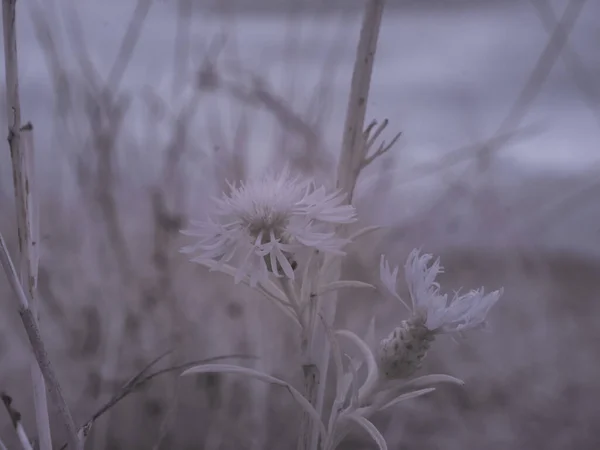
[266,221]
[428,306]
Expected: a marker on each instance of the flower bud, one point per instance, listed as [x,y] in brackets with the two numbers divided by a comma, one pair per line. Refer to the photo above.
[401,353]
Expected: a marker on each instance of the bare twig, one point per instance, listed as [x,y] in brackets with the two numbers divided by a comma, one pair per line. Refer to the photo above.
[370,140]
[181,51]
[15,419]
[466,153]
[53,57]
[539,74]
[39,349]
[383,148]
[584,81]
[76,38]
[128,44]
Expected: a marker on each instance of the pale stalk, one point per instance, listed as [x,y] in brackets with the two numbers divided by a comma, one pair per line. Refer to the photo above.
[37,344]
[352,155]
[309,368]
[29,274]
[24,184]
[24,286]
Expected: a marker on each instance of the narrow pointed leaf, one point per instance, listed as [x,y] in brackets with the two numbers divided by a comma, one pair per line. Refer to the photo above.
[364,231]
[269,289]
[337,354]
[353,385]
[429,380]
[339,376]
[306,286]
[368,426]
[372,370]
[344,284]
[227,368]
[370,333]
[398,387]
[407,396]
[267,286]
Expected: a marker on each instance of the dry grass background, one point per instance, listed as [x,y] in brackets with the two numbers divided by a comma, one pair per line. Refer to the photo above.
[116,293]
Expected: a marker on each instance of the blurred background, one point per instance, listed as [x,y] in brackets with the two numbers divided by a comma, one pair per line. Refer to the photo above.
[143,109]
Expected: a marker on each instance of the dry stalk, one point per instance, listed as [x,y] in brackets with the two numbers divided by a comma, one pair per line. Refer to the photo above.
[584,80]
[353,148]
[26,195]
[24,184]
[353,153]
[546,61]
[39,349]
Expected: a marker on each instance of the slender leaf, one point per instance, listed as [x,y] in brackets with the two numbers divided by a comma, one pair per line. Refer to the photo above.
[228,368]
[428,380]
[347,381]
[398,387]
[353,385]
[306,286]
[343,284]
[267,286]
[269,289]
[368,426]
[339,378]
[369,357]
[364,231]
[337,354]
[370,333]
[407,396]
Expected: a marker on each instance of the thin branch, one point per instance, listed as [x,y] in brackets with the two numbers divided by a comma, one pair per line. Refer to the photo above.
[128,44]
[39,349]
[181,50]
[540,72]
[383,148]
[584,81]
[466,153]
[370,140]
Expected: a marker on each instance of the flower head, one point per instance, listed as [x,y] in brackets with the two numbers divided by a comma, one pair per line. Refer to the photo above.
[400,354]
[266,221]
[429,306]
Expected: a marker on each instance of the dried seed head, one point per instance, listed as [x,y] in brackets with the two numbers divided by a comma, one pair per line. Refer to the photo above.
[401,353]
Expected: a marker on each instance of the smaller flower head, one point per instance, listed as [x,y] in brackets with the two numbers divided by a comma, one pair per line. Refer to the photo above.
[429,306]
[266,221]
[401,353]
